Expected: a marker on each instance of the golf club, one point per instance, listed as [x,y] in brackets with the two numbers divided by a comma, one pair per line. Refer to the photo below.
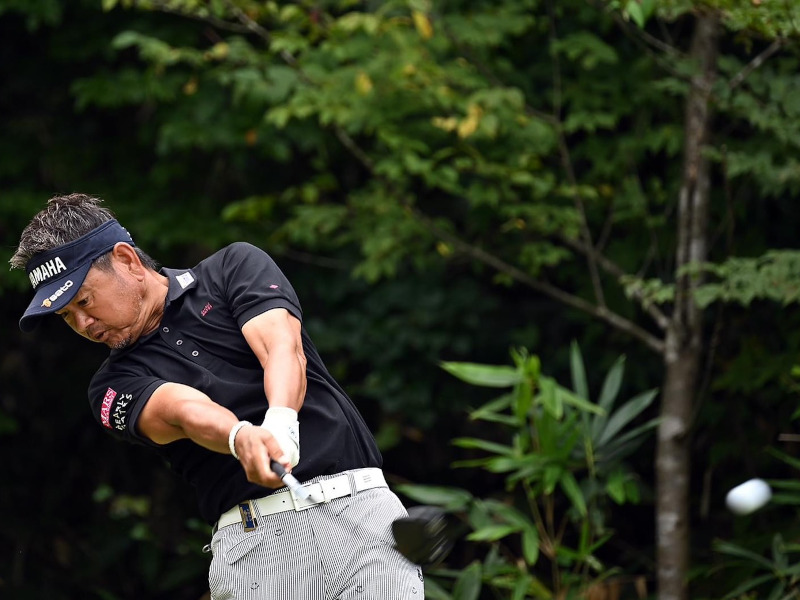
[290,480]
[425,536]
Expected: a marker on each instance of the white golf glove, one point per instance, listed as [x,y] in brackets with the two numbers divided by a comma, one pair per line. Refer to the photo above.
[282,423]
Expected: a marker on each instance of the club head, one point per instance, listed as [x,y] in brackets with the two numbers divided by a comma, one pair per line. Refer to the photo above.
[425,536]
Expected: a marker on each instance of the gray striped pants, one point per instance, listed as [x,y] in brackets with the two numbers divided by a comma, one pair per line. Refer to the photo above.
[342,550]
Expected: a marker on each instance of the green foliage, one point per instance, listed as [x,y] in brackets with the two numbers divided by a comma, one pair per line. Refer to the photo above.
[777,577]
[562,459]
[774,276]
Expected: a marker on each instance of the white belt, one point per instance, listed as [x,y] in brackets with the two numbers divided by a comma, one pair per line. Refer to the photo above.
[320,492]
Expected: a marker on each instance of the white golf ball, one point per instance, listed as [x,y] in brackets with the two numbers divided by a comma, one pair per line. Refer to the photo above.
[748,496]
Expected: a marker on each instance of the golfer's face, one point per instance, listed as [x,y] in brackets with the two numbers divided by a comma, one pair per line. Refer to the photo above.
[107,309]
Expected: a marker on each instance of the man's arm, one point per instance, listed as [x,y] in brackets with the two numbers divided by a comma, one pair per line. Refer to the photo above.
[175,412]
[275,338]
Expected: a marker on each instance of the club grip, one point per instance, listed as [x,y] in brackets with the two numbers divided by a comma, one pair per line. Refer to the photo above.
[277,468]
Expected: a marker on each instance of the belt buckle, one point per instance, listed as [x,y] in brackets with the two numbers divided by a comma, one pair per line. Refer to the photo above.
[249,522]
[300,504]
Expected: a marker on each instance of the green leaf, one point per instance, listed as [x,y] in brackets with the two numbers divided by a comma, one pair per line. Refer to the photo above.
[530,545]
[634,10]
[468,584]
[553,474]
[567,397]
[739,552]
[573,492]
[750,584]
[624,415]
[448,497]
[434,591]
[491,411]
[615,486]
[608,395]
[624,444]
[483,375]
[611,385]
[578,372]
[486,445]
[550,398]
[790,460]
[492,533]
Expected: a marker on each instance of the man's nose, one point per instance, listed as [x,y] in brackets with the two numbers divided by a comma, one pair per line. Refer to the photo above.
[82,321]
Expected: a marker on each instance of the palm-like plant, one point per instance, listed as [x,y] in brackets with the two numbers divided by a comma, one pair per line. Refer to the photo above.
[562,457]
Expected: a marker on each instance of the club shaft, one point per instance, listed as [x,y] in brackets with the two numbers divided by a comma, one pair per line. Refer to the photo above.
[290,480]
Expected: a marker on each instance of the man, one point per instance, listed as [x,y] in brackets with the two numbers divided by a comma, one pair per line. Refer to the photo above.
[213,368]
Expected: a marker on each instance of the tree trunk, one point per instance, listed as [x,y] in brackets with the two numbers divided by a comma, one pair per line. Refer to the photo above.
[683,344]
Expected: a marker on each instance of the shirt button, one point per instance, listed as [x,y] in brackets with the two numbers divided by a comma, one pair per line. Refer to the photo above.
[179,342]
[195,353]
[165,329]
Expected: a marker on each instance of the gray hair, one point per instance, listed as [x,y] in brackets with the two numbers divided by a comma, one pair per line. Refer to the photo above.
[65,218]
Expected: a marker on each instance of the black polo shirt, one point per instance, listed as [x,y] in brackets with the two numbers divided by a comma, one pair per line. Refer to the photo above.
[199,343]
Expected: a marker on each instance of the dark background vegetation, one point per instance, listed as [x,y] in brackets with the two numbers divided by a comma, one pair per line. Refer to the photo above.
[87,518]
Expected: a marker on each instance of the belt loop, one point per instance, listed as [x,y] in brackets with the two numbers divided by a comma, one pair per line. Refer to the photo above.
[351,477]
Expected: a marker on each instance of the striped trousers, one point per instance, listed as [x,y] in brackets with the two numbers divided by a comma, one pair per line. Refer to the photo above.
[342,550]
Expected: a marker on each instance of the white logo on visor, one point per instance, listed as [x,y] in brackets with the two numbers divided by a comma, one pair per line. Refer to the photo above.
[185,279]
[58,293]
[46,270]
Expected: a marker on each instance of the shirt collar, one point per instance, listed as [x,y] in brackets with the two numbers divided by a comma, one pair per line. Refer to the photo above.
[180,280]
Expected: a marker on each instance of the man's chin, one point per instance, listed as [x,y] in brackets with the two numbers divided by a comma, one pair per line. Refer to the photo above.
[118,344]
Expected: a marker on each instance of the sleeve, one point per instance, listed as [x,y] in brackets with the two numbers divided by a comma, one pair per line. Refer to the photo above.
[116,400]
[253,283]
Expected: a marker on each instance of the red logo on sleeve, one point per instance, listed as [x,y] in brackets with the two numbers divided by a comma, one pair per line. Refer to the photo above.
[105,410]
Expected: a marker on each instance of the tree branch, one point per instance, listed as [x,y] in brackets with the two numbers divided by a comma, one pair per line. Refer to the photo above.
[614,269]
[648,43]
[759,60]
[164,6]
[601,312]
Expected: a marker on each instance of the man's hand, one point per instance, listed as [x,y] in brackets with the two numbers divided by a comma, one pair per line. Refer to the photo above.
[256,446]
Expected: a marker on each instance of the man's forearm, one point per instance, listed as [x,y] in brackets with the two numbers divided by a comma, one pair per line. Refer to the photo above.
[207,424]
[285,378]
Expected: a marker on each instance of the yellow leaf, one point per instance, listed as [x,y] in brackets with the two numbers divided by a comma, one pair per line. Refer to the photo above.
[190,87]
[251,137]
[363,83]
[448,124]
[219,51]
[470,124]
[444,249]
[423,24]
[515,223]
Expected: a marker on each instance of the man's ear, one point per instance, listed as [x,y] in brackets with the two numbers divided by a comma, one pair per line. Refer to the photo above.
[126,258]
